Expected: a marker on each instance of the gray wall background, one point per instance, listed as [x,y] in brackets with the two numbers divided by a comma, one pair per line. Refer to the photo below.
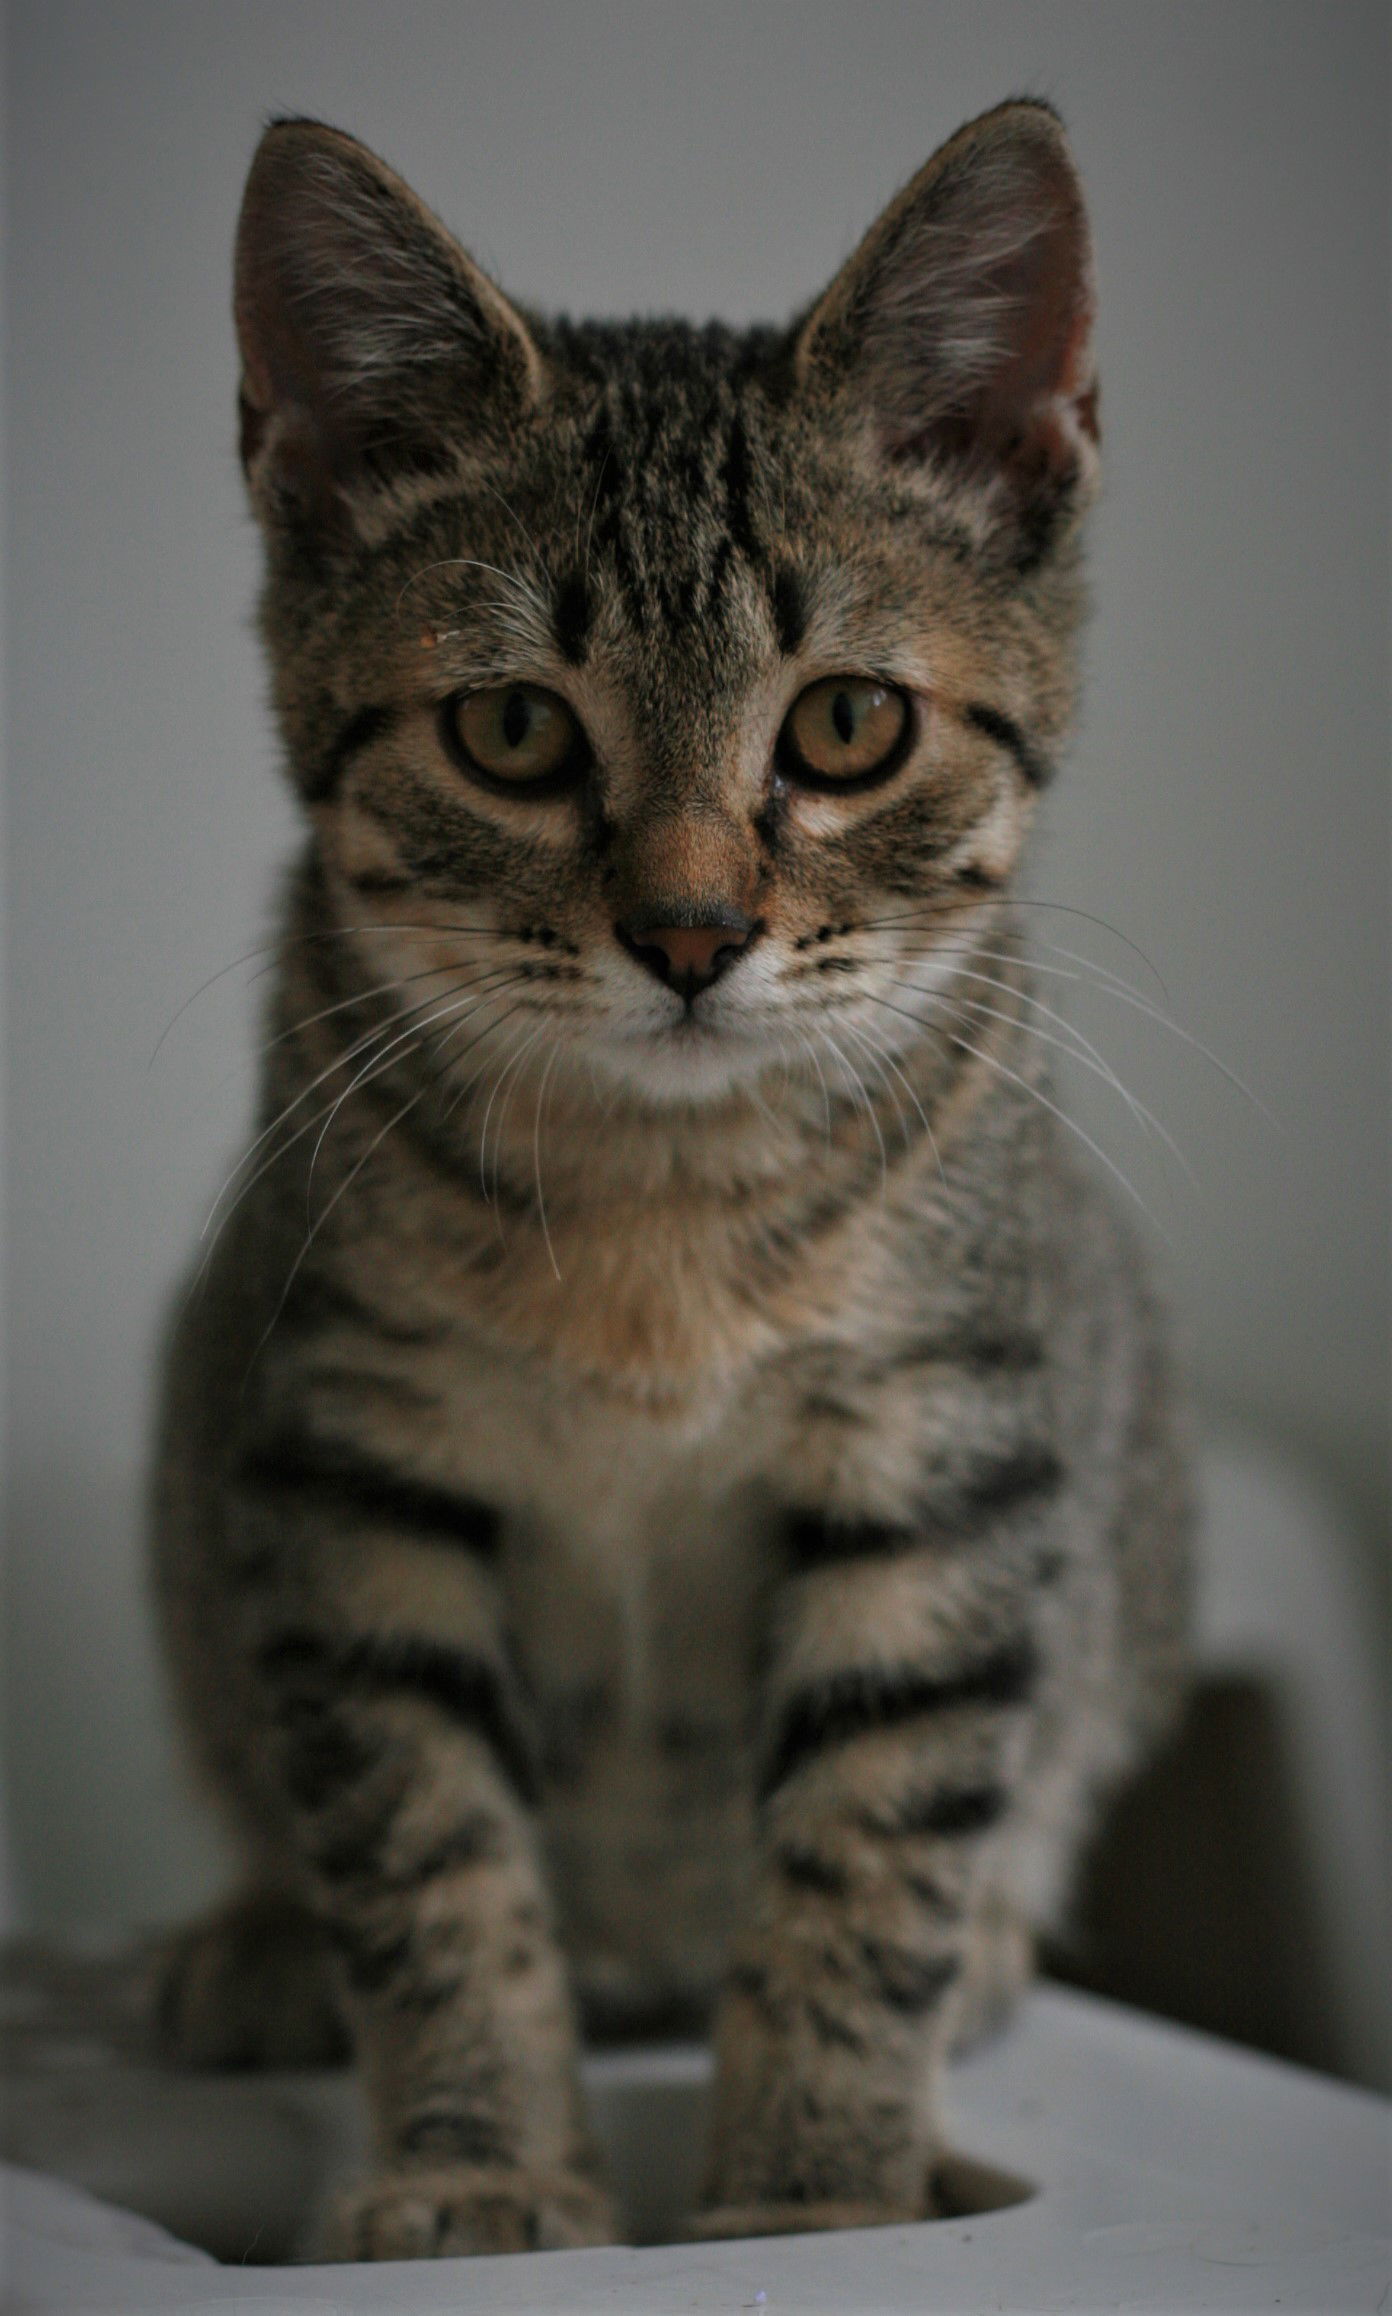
[1225,807]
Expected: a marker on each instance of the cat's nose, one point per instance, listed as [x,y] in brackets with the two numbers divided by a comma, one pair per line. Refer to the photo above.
[688,958]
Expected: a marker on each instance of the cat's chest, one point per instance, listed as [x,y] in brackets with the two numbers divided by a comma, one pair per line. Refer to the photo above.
[624,1525]
[631,1403]
[636,1562]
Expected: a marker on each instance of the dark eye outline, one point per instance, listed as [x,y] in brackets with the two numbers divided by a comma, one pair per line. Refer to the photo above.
[568,773]
[795,767]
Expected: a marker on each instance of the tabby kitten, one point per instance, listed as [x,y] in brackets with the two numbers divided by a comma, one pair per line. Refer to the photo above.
[667,1500]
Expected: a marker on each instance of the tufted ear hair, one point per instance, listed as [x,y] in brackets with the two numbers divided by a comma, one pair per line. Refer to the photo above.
[961,329]
[369,341]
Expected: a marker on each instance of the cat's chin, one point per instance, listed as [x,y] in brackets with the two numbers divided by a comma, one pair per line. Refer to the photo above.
[682,1067]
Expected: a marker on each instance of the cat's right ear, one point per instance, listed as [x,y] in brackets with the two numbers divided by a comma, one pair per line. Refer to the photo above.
[370,341]
[958,337]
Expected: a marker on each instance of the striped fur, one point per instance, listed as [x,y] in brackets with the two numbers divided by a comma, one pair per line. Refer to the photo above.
[667,1503]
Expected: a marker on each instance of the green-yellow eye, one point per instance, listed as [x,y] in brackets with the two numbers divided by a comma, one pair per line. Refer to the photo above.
[845,731]
[515,734]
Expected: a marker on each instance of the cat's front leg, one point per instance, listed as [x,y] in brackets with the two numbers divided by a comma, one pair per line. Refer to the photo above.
[392,1734]
[901,1726]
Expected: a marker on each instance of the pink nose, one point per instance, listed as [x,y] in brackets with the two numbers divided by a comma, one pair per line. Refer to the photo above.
[688,958]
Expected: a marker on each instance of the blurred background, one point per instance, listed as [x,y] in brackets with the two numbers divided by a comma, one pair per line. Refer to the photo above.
[1224,812]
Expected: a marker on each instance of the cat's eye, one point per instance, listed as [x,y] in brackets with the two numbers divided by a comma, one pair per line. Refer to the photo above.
[845,732]
[515,736]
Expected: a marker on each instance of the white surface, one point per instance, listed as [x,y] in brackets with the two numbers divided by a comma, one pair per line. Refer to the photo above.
[1278,1598]
[1173,2173]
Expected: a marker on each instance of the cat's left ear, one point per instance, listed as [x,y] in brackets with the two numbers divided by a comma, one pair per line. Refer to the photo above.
[371,343]
[960,332]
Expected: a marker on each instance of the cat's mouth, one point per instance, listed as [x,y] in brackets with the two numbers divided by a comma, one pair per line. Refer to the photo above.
[692,1027]
[697,1055]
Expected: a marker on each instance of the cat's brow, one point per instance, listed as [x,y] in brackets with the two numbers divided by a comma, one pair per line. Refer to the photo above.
[572,617]
[788,597]
[996,725]
[368,723]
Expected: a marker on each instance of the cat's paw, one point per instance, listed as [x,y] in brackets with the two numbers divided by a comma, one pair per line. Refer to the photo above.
[436,2215]
[793,2219]
[248,1986]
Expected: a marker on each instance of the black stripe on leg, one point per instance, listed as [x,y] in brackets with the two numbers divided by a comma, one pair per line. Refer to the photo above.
[830,2030]
[806,1869]
[980,1351]
[819,1540]
[454,2135]
[907,1982]
[962,1506]
[297,1463]
[319,1299]
[945,1809]
[370,1960]
[356,1856]
[327,1750]
[996,1486]
[865,1698]
[316,1673]
[397,1963]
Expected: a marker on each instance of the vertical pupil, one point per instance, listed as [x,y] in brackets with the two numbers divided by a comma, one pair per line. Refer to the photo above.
[517,718]
[843,717]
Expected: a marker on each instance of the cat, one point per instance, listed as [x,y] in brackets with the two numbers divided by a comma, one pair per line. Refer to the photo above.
[669,1504]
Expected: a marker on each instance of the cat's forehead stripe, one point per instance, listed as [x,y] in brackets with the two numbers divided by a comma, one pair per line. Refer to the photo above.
[675,495]
[788,596]
[572,616]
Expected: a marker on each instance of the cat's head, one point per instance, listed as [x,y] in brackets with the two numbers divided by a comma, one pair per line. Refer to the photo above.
[667,697]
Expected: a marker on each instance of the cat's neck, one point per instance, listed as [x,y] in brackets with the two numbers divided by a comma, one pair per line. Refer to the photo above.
[826,1120]
[662,1250]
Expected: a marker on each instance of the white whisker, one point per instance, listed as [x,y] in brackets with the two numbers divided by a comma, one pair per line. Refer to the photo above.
[1080,1050]
[849,1028]
[1126,995]
[530,594]
[344,1004]
[891,1063]
[536,1152]
[861,1096]
[993,1062]
[315,1228]
[489,1029]
[467,1004]
[956,908]
[341,1061]
[816,1061]
[515,1062]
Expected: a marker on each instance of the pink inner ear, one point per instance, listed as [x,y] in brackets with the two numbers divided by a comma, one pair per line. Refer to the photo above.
[275,388]
[273,366]
[1077,380]
[257,397]
[964,323]
[1042,378]
[367,335]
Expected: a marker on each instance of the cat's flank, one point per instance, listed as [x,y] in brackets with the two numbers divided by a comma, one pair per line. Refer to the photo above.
[667,1501]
